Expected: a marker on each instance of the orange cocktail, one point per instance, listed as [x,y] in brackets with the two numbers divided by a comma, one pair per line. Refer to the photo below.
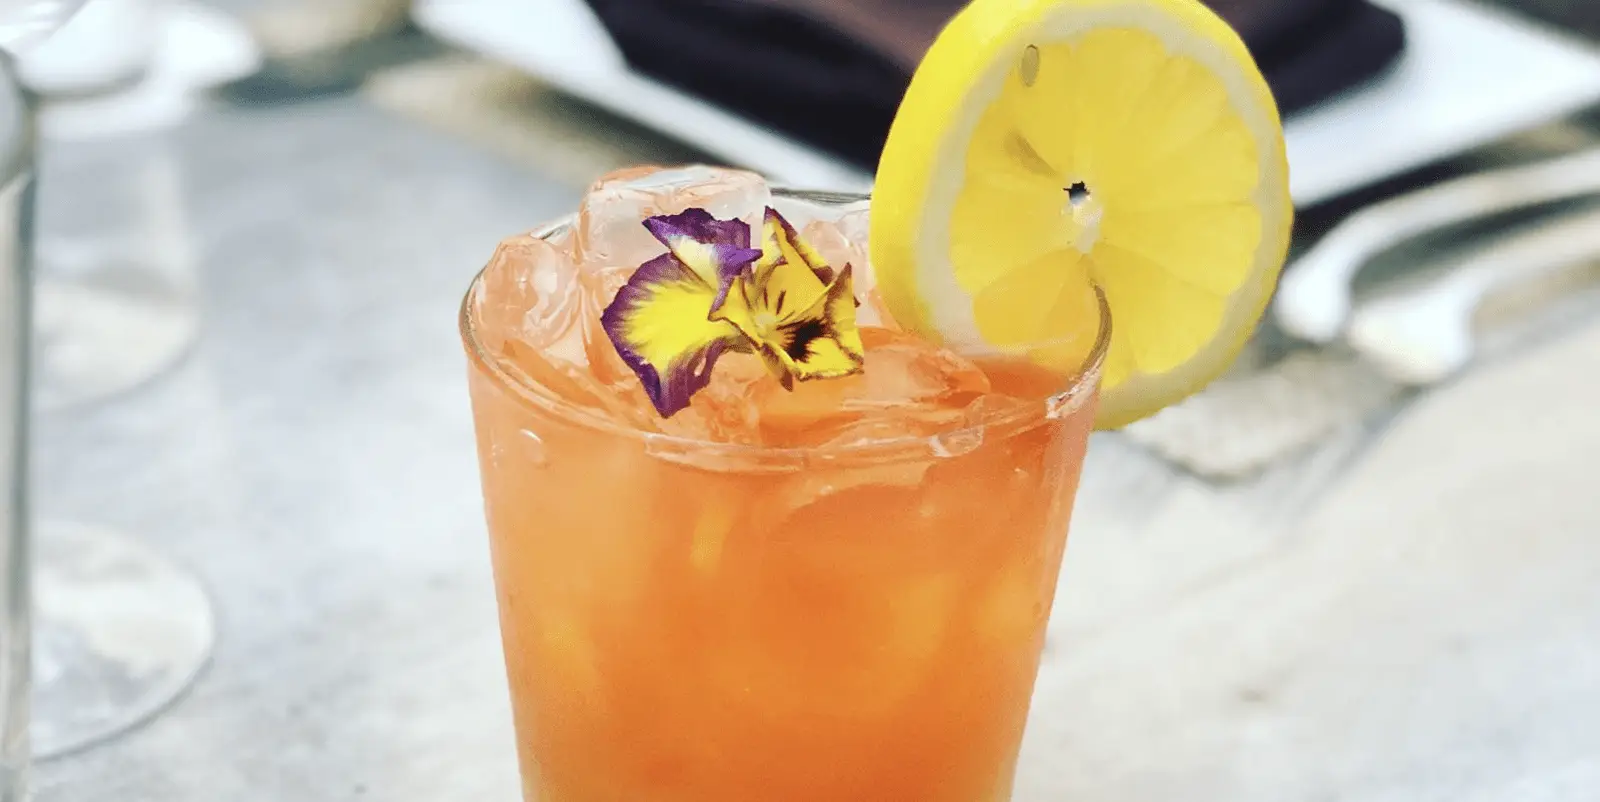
[834,594]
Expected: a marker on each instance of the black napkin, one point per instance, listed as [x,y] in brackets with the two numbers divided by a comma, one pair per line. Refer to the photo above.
[831,72]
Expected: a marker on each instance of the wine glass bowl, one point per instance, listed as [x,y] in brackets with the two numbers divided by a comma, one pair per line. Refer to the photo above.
[25,23]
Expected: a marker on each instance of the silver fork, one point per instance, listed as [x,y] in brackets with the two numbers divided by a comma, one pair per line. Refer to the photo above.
[1314,298]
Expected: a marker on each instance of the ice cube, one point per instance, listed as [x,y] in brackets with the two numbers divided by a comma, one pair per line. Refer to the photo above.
[908,387]
[539,321]
[610,241]
[996,407]
[725,411]
[903,369]
[529,293]
[610,237]
[843,240]
[871,310]
[855,224]
[548,373]
[874,429]
[539,292]
[604,361]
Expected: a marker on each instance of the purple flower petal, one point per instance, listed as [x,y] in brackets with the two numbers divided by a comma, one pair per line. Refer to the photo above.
[659,324]
[716,250]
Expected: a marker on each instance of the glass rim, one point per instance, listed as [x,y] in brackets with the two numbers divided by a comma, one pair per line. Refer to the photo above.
[1036,412]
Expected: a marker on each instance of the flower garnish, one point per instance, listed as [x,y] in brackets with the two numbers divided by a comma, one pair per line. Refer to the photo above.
[660,320]
[791,307]
[711,292]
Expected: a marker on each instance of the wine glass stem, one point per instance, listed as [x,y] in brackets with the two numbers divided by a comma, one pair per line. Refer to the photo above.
[16,292]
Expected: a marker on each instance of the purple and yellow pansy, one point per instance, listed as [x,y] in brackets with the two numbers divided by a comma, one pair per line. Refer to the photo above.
[712,292]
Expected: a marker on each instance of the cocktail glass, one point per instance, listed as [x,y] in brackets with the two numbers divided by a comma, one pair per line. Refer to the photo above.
[696,621]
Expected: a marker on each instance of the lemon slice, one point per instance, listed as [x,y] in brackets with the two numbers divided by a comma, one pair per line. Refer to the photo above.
[1047,144]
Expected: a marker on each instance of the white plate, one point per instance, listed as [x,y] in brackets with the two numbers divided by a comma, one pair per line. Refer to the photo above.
[1470,76]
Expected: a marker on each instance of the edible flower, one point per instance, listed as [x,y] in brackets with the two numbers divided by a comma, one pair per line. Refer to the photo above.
[711,292]
[793,310]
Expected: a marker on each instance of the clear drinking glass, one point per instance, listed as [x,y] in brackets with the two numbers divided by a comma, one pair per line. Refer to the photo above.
[693,621]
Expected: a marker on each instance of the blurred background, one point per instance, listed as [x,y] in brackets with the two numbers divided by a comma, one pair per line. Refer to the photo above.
[1364,566]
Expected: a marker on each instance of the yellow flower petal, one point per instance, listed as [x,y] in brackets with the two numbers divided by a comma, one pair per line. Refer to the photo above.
[823,342]
[790,275]
[658,323]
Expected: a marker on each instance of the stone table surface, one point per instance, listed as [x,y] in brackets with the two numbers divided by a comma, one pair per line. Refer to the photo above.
[1421,624]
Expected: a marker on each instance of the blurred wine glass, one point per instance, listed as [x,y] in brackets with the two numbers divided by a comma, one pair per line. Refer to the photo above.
[118,630]
[115,297]
[26,23]
[114,303]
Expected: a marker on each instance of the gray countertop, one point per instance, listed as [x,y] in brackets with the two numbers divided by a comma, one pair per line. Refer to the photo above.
[1424,625]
